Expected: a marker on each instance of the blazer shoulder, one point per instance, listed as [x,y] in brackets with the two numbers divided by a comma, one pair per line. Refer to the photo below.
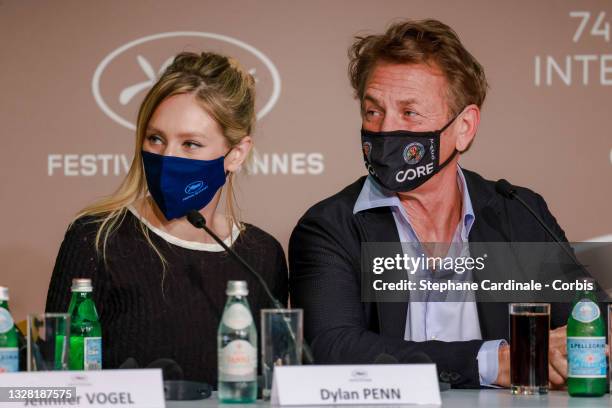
[480,185]
[339,205]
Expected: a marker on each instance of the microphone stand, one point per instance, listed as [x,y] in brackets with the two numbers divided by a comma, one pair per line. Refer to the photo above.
[197,220]
[507,190]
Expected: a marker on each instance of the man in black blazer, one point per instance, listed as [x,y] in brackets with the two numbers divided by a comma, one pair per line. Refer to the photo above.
[420,92]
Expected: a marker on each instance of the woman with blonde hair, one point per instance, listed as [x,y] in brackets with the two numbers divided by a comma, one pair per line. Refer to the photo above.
[159,283]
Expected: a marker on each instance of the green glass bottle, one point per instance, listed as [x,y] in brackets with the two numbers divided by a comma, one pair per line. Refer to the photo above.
[9,342]
[237,348]
[85,330]
[586,346]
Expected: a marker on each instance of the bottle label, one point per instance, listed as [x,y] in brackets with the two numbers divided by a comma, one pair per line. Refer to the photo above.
[9,359]
[237,317]
[238,361]
[6,320]
[586,311]
[586,357]
[92,353]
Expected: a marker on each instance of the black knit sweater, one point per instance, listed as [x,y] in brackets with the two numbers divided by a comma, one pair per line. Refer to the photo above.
[148,314]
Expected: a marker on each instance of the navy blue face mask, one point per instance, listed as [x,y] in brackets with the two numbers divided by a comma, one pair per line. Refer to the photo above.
[179,185]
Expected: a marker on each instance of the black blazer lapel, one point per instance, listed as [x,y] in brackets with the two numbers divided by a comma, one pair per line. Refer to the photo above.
[378,225]
[490,225]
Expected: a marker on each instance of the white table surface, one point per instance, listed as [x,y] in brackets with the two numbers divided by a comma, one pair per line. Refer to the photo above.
[453,398]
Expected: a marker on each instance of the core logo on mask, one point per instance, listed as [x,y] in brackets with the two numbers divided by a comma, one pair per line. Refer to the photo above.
[367,148]
[194,188]
[413,153]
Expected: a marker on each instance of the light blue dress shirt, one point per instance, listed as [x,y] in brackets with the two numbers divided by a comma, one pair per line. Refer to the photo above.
[443,321]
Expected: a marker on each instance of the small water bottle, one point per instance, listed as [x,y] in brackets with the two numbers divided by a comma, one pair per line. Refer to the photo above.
[237,348]
[85,329]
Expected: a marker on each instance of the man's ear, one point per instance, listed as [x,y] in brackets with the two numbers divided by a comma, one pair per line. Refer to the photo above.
[466,127]
[238,154]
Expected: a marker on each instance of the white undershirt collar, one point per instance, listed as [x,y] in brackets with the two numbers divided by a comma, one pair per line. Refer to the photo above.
[197,246]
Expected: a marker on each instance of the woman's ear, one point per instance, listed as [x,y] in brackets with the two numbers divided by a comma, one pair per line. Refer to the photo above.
[236,157]
[467,127]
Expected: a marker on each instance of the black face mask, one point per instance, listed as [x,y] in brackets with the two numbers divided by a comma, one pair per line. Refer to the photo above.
[402,160]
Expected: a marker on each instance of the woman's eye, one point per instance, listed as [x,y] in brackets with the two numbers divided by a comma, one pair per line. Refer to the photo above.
[154,139]
[192,145]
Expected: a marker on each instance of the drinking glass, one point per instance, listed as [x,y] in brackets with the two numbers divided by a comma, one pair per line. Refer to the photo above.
[529,331]
[282,340]
[47,344]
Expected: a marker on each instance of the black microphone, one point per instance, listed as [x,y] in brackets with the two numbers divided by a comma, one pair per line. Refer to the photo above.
[503,187]
[507,190]
[197,220]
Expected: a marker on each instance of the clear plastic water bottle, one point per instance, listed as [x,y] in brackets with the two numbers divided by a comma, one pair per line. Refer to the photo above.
[237,348]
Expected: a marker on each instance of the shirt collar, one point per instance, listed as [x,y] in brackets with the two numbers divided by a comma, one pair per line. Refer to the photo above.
[467,211]
[372,195]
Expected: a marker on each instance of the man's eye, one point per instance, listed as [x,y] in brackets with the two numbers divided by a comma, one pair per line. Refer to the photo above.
[154,139]
[410,113]
[371,113]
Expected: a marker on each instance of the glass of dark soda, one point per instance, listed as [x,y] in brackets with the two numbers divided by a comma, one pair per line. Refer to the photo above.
[529,330]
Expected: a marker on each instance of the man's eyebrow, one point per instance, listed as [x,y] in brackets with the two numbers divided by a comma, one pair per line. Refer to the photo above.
[372,99]
[403,102]
[410,101]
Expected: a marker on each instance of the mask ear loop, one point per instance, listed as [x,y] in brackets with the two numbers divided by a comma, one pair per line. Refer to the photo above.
[450,122]
[455,151]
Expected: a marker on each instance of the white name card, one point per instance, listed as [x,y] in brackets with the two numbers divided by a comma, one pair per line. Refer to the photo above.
[356,384]
[107,388]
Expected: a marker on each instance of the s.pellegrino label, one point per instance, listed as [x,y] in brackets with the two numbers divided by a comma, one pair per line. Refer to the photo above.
[9,342]
[9,359]
[587,357]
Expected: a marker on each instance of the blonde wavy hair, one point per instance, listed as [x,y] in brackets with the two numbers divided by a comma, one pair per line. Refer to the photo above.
[224,90]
